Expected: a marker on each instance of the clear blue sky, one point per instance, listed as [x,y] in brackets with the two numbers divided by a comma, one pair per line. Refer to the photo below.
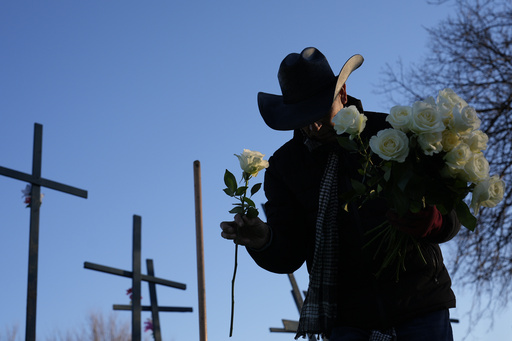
[129,95]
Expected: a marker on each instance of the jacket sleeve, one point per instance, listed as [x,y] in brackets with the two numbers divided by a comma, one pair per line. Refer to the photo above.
[287,249]
[449,229]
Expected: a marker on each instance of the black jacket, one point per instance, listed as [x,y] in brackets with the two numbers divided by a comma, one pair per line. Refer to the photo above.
[292,184]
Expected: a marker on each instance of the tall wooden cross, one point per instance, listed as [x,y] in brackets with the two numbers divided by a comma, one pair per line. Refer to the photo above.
[37,182]
[137,277]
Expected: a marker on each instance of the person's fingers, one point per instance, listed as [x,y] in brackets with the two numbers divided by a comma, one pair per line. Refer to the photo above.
[229,229]
[239,219]
[229,236]
[228,226]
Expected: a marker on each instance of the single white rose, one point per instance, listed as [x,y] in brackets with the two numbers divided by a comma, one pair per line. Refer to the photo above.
[430,143]
[458,156]
[252,162]
[487,193]
[400,117]
[446,101]
[450,140]
[349,120]
[390,144]
[476,140]
[477,168]
[425,119]
[465,119]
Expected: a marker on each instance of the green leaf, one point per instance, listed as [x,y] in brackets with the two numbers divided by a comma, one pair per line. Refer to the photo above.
[387,174]
[252,212]
[416,206]
[228,192]
[255,189]
[237,210]
[442,209]
[230,181]
[358,187]
[249,202]
[241,190]
[404,178]
[465,217]
[348,144]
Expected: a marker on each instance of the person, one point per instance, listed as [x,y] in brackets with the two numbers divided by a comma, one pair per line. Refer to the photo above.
[306,220]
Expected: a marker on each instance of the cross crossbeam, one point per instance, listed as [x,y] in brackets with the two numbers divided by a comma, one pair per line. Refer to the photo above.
[11,173]
[129,274]
[149,308]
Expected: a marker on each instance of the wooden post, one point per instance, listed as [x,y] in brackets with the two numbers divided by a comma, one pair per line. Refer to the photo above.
[136,279]
[200,252]
[297,296]
[33,250]
[157,335]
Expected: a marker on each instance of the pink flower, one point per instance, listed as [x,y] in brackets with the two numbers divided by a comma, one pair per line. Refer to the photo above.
[27,194]
[148,325]
[129,292]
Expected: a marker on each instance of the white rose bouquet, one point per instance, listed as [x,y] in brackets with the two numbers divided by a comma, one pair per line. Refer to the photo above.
[432,156]
[251,163]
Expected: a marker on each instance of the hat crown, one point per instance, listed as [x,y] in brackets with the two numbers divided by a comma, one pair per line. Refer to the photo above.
[304,75]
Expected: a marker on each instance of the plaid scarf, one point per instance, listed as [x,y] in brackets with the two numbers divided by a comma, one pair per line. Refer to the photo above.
[318,313]
[385,335]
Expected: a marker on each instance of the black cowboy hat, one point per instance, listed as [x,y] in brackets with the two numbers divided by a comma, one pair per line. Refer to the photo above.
[308,86]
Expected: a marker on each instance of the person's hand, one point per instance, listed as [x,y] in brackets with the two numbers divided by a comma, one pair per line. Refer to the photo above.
[251,232]
[426,222]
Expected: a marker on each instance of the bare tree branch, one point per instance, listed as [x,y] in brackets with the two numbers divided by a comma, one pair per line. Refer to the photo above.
[471,53]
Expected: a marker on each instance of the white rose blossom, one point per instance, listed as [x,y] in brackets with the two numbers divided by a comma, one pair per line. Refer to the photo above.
[252,162]
[446,101]
[477,168]
[349,120]
[450,140]
[400,117]
[487,193]
[476,140]
[458,156]
[425,118]
[431,143]
[390,144]
[465,119]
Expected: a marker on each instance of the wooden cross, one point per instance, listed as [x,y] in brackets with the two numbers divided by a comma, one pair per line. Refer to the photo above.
[37,182]
[137,277]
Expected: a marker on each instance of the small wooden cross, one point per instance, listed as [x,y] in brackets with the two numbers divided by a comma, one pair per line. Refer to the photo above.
[37,182]
[137,277]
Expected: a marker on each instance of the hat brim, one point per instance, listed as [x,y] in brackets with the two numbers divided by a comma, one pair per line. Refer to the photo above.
[290,116]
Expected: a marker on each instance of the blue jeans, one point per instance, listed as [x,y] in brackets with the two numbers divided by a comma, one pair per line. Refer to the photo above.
[432,326]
